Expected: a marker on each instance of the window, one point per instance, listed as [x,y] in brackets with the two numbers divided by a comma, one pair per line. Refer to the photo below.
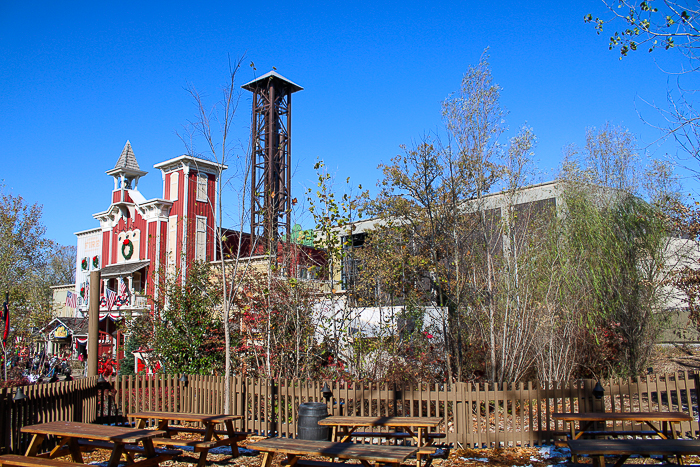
[200,253]
[174,185]
[202,187]
[136,282]
[351,265]
[307,273]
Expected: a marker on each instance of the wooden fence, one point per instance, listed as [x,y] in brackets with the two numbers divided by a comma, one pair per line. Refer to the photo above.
[475,415]
[80,400]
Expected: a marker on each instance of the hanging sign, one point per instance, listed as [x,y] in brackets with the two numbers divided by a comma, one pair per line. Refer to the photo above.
[61,332]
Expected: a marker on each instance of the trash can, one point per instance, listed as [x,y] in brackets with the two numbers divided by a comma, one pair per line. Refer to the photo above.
[307,425]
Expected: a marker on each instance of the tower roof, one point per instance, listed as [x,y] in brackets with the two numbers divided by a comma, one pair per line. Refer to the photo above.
[127,160]
[127,165]
[272,76]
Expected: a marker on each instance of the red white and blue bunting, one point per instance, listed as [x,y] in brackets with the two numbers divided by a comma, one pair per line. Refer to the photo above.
[121,300]
[112,316]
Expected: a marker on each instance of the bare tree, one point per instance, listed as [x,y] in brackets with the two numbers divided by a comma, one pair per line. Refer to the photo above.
[672,26]
[62,264]
[214,125]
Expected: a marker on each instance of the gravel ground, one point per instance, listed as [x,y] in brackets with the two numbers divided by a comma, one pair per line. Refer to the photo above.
[505,457]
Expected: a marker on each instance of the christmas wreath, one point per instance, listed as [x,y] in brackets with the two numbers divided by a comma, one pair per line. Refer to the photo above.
[84,264]
[127,249]
[82,292]
[95,261]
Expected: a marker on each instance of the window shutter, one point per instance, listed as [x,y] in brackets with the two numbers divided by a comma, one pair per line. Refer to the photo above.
[201,187]
[174,185]
[172,242]
[201,248]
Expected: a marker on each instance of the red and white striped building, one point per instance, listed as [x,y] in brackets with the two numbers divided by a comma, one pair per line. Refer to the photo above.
[139,238]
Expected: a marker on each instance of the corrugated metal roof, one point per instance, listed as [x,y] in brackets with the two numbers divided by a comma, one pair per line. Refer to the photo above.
[122,269]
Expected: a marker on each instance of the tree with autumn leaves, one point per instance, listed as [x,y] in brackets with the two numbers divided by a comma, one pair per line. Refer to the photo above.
[30,263]
[524,290]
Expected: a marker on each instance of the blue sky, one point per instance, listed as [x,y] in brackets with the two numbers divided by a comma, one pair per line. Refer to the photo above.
[81,78]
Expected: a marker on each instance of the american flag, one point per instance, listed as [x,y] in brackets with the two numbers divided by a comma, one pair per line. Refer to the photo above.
[71,299]
[122,287]
[111,297]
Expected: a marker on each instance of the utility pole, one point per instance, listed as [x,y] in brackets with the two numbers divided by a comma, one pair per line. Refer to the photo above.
[93,323]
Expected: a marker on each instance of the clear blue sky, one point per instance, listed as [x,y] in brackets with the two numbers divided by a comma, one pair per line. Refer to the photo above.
[80,78]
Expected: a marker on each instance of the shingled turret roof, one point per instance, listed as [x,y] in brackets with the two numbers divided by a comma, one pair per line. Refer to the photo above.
[127,160]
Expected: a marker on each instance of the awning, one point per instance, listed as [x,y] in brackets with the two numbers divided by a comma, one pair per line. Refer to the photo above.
[123,269]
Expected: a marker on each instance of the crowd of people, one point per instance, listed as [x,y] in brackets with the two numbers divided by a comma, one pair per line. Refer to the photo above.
[39,366]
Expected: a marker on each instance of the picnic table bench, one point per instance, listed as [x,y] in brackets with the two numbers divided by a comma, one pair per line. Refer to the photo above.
[296,448]
[628,447]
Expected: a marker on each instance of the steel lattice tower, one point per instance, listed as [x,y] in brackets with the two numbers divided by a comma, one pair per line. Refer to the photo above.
[271,180]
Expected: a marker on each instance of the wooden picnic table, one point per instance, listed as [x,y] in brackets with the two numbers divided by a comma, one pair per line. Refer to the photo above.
[118,439]
[628,447]
[587,420]
[210,436]
[416,428]
[651,419]
[296,448]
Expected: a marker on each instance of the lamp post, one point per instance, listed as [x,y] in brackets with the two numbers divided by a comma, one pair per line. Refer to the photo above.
[184,380]
[101,381]
[326,392]
[19,395]
[598,391]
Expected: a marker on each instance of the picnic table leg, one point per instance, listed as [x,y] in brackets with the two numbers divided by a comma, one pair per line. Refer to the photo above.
[267,459]
[148,448]
[59,447]
[163,425]
[75,450]
[421,434]
[34,445]
[141,423]
[207,437]
[572,428]
[116,455]
[346,433]
[232,437]
[620,461]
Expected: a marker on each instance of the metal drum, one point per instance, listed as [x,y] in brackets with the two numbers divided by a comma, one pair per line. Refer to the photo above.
[307,425]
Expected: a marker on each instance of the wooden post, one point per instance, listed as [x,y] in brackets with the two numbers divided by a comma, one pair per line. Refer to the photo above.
[94,322]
